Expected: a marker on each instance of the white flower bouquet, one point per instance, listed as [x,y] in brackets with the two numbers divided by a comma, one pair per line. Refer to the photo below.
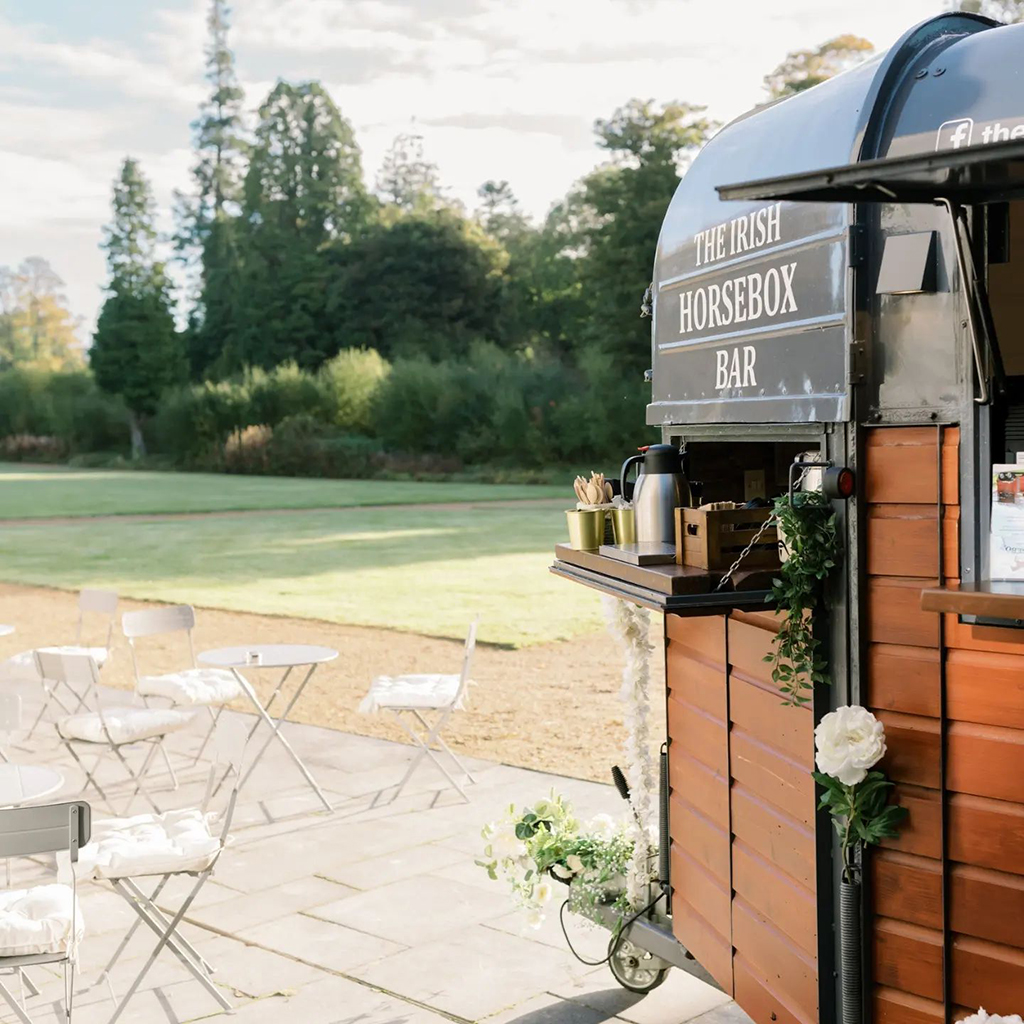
[528,848]
[850,741]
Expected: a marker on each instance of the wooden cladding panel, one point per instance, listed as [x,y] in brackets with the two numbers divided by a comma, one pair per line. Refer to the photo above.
[895,1007]
[776,960]
[894,612]
[759,997]
[789,906]
[742,816]
[908,474]
[903,679]
[699,791]
[903,540]
[985,687]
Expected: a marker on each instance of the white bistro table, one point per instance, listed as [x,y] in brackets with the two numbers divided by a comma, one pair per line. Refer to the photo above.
[287,658]
[27,783]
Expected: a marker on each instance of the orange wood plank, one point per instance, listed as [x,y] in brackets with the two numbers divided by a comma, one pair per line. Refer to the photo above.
[895,1007]
[697,734]
[771,955]
[778,838]
[759,998]
[748,646]
[903,679]
[894,613]
[987,833]
[920,833]
[985,687]
[695,784]
[709,948]
[696,682]
[913,748]
[777,897]
[702,839]
[987,904]
[702,891]
[907,888]
[908,957]
[986,760]
[985,973]
[776,778]
[700,635]
[760,712]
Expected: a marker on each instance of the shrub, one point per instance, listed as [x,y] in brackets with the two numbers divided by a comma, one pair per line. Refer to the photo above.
[352,380]
[248,450]
[32,448]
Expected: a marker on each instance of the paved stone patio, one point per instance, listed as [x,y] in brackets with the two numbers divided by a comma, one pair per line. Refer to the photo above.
[372,914]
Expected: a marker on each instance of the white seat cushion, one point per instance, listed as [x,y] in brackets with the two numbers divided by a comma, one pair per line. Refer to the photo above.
[22,666]
[150,844]
[412,691]
[125,725]
[38,920]
[193,686]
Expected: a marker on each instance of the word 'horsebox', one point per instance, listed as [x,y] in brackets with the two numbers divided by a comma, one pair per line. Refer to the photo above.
[859,294]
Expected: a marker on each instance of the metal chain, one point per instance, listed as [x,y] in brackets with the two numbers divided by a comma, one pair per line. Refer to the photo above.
[770,521]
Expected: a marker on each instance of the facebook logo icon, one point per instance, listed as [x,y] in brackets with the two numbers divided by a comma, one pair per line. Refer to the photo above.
[954,134]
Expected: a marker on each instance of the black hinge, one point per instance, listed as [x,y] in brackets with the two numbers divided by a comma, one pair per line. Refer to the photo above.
[858,236]
[858,359]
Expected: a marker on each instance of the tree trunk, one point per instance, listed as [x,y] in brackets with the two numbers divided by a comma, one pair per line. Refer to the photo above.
[138,441]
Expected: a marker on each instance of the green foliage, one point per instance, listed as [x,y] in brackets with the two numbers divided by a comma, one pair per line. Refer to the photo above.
[66,406]
[808,525]
[614,218]
[136,351]
[860,813]
[423,285]
[352,381]
[804,69]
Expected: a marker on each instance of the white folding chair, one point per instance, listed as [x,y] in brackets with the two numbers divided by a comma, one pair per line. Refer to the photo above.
[162,847]
[97,610]
[192,687]
[414,696]
[108,728]
[43,923]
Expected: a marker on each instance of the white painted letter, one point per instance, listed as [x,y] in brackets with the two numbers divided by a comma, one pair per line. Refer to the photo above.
[685,312]
[754,296]
[749,358]
[789,299]
[721,368]
[771,292]
[775,222]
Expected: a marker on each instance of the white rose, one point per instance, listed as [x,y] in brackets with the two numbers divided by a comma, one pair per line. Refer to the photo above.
[543,892]
[534,917]
[575,865]
[561,871]
[849,740]
[601,825]
[981,1017]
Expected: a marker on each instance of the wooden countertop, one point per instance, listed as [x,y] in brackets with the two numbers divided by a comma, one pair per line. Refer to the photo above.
[666,588]
[991,599]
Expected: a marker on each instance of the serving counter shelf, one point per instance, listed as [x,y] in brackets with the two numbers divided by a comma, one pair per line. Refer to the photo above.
[675,589]
[990,599]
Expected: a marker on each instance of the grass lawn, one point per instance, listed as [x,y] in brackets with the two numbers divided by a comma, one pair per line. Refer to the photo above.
[420,570]
[38,493]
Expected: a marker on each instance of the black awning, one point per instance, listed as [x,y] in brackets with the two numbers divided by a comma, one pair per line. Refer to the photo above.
[975,174]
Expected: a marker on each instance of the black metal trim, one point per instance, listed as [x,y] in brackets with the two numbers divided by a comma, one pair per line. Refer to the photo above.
[879,180]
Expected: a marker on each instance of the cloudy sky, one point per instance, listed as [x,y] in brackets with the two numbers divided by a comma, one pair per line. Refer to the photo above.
[498,88]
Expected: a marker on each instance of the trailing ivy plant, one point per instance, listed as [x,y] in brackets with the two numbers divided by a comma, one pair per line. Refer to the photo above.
[808,524]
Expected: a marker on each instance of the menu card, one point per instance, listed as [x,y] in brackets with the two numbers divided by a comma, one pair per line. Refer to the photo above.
[1006,538]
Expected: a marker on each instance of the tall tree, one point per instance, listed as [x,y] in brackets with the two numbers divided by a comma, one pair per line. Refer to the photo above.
[303,189]
[36,326]
[1008,11]
[136,351]
[804,69]
[406,179]
[208,217]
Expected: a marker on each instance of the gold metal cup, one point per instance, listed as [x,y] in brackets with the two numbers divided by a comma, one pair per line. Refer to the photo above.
[586,528]
[624,525]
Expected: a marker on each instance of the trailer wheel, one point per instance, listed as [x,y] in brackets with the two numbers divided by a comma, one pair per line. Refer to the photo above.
[632,967]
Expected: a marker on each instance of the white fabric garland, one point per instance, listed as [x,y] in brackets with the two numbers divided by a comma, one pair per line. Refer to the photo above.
[631,626]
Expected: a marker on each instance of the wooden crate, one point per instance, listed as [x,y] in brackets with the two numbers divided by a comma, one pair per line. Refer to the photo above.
[713,539]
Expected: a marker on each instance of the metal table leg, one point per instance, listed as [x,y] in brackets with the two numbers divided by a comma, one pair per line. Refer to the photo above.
[275,730]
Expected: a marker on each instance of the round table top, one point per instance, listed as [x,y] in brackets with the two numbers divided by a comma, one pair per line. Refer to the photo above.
[24,783]
[268,656]
[6,629]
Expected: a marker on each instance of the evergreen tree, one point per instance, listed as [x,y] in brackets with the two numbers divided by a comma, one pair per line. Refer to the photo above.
[303,189]
[406,179]
[209,217]
[136,351]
